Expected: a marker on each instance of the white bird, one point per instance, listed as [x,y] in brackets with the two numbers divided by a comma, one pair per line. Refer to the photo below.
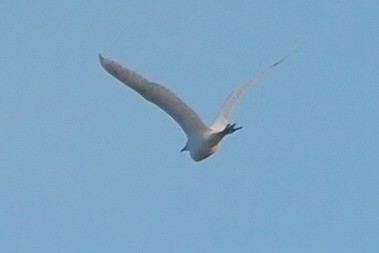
[202,140]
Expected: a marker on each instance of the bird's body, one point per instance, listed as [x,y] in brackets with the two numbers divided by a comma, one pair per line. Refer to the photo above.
[202,140]
[204,145]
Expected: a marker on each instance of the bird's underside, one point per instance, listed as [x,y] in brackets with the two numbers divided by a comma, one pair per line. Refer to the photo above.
[202,140]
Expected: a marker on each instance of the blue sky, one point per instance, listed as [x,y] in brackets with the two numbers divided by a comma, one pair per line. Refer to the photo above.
[88,166]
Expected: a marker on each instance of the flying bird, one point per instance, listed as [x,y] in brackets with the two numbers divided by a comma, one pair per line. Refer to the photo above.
[202,140]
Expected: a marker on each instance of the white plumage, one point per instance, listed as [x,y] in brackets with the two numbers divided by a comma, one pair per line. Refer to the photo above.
[202,140]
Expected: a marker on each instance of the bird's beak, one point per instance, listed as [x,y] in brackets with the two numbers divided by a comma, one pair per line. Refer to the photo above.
[184,149]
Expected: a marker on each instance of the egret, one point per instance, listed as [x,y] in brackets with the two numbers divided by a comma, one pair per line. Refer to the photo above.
[202,140]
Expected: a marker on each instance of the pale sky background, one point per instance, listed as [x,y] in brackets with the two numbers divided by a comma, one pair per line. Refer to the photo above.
[88,166]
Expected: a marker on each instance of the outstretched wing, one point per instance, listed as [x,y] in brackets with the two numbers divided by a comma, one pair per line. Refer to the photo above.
[162,97]
[222,118]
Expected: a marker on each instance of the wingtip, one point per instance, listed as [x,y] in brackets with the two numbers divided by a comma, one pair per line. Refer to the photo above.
[294,50]
[103,60]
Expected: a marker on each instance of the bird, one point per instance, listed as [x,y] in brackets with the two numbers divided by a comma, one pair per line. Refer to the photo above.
[202,140]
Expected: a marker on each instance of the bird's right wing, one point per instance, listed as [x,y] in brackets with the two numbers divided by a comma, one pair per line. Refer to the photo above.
[222,118]
[162,97]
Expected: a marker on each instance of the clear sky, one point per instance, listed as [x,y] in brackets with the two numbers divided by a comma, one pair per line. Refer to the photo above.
[86,165]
